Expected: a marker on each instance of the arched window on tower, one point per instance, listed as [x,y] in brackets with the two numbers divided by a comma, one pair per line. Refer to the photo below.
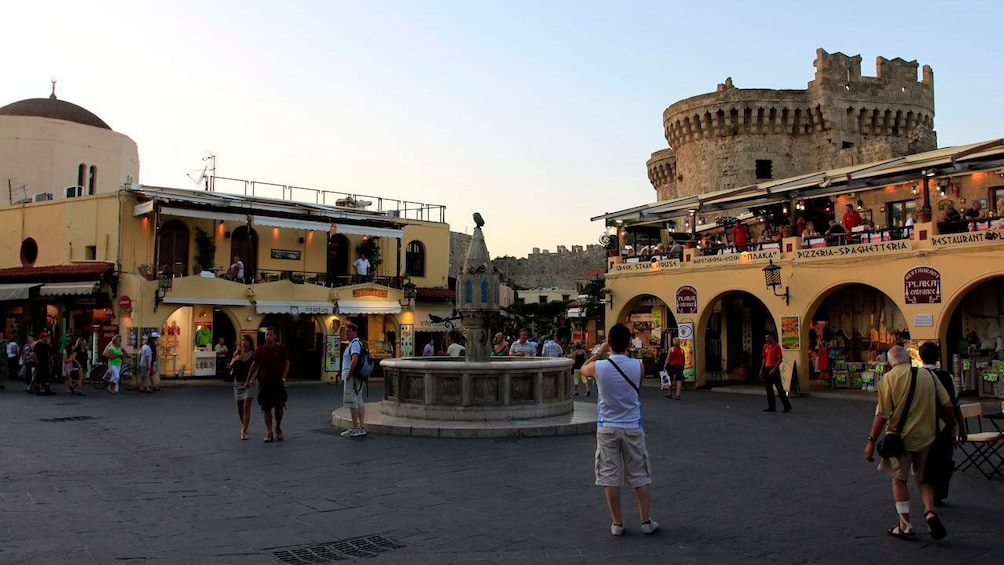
[414,259]
[93,181]
[81,172]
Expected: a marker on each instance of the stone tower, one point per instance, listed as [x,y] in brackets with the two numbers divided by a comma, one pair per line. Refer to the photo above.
[738,137]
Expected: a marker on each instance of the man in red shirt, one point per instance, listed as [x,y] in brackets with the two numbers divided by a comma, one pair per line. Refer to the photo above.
[740,237]
[770,372]
[271,367]
[851,218]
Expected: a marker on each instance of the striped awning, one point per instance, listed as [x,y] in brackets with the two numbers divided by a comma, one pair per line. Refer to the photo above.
[69,289]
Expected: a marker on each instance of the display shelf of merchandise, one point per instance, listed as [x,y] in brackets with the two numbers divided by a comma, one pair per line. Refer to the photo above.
[204,363]
[991,377]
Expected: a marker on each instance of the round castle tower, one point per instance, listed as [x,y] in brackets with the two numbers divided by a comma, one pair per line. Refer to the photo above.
[737,137]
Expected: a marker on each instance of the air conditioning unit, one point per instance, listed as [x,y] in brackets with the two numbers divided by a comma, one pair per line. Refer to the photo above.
[73,191]
[43,196]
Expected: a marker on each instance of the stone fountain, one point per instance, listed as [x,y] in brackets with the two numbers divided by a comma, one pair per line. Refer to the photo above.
[480,395]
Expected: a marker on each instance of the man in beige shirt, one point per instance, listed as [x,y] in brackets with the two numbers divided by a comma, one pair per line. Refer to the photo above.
[917,431]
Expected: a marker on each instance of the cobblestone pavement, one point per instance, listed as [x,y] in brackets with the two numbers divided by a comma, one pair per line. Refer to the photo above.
[164,478]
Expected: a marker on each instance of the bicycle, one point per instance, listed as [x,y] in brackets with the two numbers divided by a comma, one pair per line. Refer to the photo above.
[99,376]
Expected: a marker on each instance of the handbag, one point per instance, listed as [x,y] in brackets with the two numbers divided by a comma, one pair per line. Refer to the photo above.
[665,377]
[892,444]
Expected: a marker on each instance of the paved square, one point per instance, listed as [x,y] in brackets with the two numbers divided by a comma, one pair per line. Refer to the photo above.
[164,478]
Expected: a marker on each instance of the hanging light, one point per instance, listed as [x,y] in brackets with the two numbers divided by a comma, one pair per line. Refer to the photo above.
[772,277]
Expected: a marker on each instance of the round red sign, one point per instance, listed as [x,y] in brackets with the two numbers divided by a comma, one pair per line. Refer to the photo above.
[125,303]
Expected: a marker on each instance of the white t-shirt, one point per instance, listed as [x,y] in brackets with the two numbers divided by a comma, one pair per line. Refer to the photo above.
[362,265]
[145,356]
[240,269]
[619,405]
[455,350]
[12,349]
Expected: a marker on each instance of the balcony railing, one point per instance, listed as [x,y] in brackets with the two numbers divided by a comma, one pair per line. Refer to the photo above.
[308,277]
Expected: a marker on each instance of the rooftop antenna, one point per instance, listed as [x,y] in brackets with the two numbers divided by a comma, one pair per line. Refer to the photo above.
[208,182]
[11,188]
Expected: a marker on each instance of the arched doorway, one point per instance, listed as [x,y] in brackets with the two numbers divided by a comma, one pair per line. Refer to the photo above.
[244,244]
[851,327]
[223,327]
[734,334]
[338,259]
[973,338]
[172,250]
[652,326]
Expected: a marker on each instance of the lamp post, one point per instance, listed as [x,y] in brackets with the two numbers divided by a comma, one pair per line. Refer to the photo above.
[164,283]
[410,292]
[772,276]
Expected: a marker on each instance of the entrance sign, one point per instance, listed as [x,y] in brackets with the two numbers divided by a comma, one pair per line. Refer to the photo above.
[686,300]
[922,285]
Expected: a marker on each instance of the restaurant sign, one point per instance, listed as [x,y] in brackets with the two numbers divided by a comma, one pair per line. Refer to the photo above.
[374,292]
[922,285]
[645,266]
[878,248]
[744,257]
[686,300]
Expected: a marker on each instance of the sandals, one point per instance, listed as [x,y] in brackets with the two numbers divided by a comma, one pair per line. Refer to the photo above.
[278,435]
[244,435]
[269,438]
[897,533]
[934,525]
[678,397]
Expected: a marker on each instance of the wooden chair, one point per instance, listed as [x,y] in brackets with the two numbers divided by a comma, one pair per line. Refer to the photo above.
[981,450]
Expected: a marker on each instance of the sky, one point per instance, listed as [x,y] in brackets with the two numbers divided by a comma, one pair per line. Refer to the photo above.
[537,114]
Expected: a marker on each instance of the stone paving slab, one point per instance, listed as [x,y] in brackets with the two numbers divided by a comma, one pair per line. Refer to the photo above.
[164,479]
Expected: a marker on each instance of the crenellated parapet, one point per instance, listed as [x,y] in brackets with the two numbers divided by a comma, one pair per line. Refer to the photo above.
[662,172]
[717,138]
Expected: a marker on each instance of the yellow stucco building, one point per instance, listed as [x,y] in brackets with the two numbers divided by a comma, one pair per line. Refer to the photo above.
[85,250]
[840,301]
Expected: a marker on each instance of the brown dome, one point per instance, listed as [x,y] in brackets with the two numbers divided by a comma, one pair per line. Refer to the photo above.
[53,108]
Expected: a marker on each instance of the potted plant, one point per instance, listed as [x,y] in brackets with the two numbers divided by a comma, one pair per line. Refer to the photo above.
[923,215]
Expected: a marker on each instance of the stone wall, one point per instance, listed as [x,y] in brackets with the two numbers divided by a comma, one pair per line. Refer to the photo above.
[543,269]
[841,118]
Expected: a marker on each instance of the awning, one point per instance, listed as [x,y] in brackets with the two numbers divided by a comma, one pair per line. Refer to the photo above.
[69,289]
[369,307]
[16,291]
[290,223]
[424,324]
[170,299]
[372,231]
[189,213]
[293,307]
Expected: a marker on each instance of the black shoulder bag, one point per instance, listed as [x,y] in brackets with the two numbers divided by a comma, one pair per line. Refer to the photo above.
[629,381]
[892,444]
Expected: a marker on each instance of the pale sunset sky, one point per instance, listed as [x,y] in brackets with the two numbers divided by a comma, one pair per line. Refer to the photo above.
[539,114]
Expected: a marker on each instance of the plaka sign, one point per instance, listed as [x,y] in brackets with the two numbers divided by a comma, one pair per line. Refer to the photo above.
[686,300]
[922,285]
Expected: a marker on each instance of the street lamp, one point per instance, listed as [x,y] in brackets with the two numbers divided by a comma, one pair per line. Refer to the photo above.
[410,292]
[772,274]
[164,284]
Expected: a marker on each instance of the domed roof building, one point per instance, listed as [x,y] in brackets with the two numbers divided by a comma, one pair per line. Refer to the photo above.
[51,148]
[54,108]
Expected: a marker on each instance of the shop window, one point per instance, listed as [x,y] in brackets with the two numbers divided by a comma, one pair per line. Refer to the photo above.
[764,169]
[414,261]
[29,252]
[900,212]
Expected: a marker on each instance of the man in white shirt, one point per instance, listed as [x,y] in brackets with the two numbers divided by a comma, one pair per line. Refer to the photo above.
[522,347]
[237,270]
[455,349]
[621,454]
[362,266]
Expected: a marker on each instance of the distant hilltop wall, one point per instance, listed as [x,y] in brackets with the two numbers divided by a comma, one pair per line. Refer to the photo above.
[737,137]
[540,269]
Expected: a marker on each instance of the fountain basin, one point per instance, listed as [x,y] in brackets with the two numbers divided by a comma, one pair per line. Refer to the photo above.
[455,389]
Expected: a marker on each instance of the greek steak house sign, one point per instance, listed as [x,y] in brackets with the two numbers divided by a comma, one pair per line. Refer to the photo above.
[686,300]
[922,286]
